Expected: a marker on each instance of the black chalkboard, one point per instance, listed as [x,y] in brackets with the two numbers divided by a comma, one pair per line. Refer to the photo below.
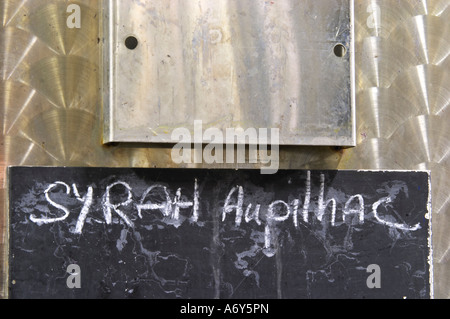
[204,234]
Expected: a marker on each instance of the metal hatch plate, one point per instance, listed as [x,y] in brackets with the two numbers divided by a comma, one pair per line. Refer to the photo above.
[285,64]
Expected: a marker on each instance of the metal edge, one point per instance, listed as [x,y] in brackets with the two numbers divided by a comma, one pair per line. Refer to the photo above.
[353,71]
[107,61]
[430,236]
[4,285]
[165,139]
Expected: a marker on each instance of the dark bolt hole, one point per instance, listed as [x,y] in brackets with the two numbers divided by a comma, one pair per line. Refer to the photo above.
[131,42]
[340,50]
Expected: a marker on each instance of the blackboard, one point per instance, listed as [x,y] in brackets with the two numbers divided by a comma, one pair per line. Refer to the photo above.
[209,234]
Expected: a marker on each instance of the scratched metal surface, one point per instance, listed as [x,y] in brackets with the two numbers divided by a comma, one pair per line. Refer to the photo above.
[230,64]
[51,107]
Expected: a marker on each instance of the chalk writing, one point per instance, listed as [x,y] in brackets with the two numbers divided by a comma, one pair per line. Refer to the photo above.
[87,202]
[177,208]
[108,206]
[41,221]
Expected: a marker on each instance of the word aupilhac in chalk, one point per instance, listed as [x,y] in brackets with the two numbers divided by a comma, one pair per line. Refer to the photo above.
[177,209]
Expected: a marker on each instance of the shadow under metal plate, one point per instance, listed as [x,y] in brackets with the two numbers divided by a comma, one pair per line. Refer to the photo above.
[286,64]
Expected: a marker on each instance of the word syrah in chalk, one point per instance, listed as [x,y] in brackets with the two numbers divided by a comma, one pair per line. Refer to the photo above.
[169,208]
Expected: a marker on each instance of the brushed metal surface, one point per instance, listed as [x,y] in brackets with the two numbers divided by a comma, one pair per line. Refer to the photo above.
[231,64]
[51,106]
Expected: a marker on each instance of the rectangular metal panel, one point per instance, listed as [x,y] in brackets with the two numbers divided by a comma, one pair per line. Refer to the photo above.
[285,64]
